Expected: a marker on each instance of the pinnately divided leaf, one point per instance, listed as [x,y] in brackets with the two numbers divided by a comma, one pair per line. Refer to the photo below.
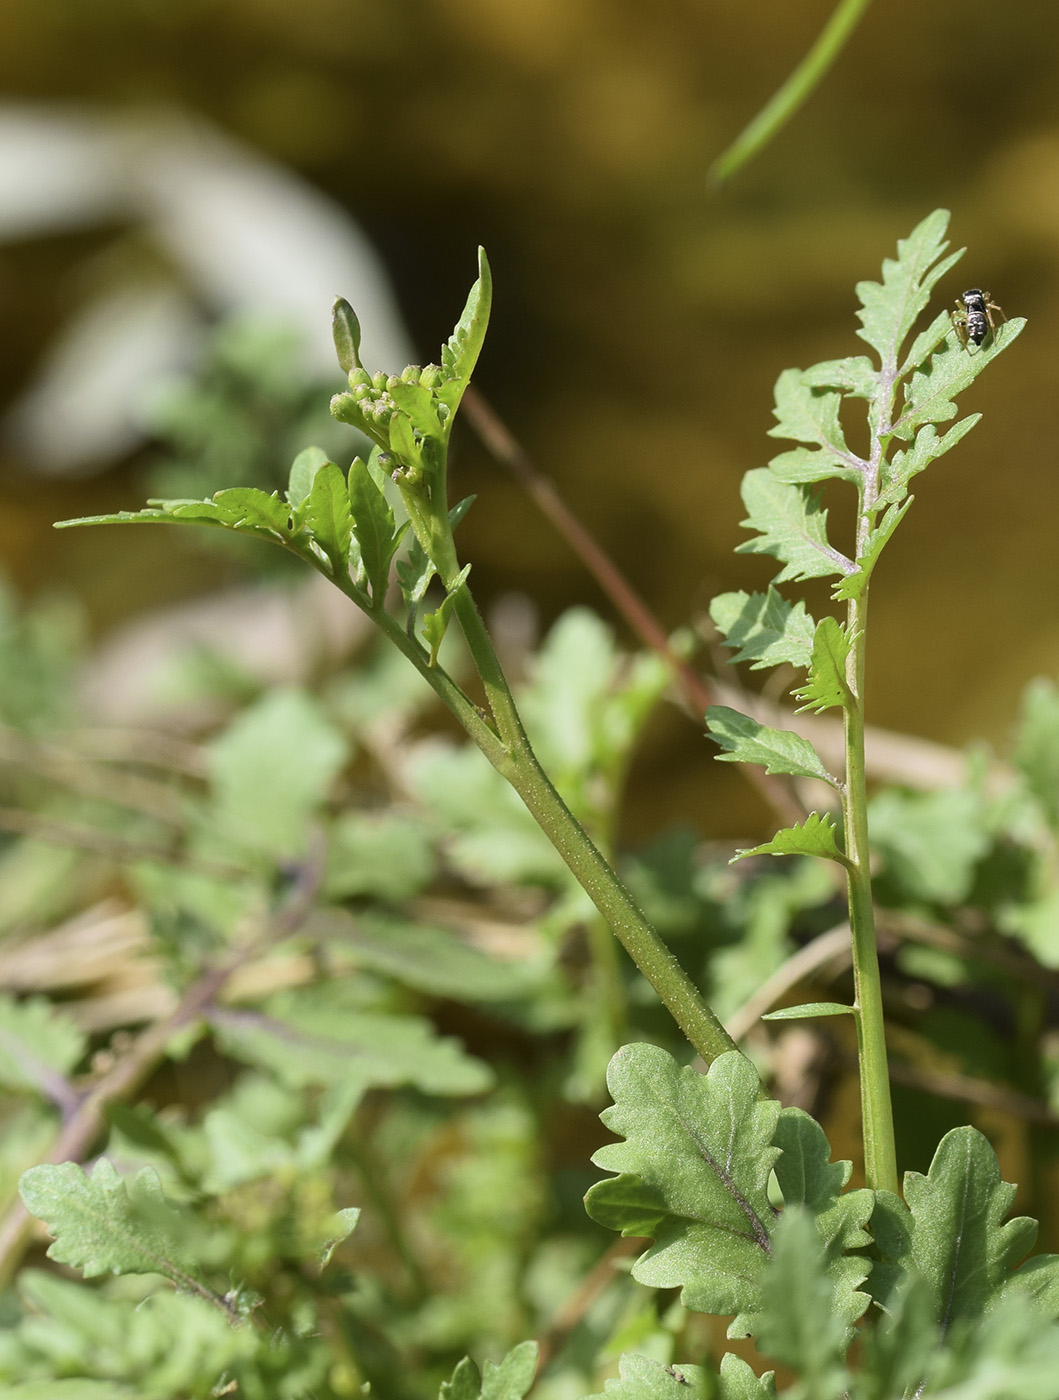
[461,353]
[932,389]
[326,513]
[694,1170]
[643,1378]
[890,308]
[764,628]
[105,1224]
[826,685]
[241,508]
[779,750]
[506,1380]
[813,837]
[791,525]
[853,585]
[809,414]
[926,447]
[801,1323]
[811,1181]
[951,1232]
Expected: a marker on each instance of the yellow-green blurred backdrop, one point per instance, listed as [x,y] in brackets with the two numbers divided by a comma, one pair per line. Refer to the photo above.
[641,317]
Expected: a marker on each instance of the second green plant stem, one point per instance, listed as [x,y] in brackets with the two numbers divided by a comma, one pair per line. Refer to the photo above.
[880,1158]
[503,740]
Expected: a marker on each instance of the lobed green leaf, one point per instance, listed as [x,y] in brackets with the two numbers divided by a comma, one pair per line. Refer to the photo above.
[420,407]
[826,685]
[461,353]
[854,584]
[512,1377]
[779,750]
[791,525]
[765,627]
[931,392]
[325,512]
[854,375]
[801,1321]
[738,1380]
[374,527]
[465,1383]
[157,1347]
[643,1378]
[39,1045]
[105,1224]
[694,1170]
[811,1182]
[694,1173]
[271,771]
[810,414]
[813,837]
[950,1233]
[889,309]
[926,342]
[927,446]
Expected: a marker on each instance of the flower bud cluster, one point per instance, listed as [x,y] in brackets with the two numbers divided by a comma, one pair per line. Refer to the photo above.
[372,391]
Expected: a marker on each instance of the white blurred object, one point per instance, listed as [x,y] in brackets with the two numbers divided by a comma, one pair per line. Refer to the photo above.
[271,633]
[236,231]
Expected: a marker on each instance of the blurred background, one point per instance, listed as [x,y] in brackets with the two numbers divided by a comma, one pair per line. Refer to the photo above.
[171,173]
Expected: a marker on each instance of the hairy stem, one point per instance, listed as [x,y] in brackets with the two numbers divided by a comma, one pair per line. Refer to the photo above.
[880,1157]
[505,744]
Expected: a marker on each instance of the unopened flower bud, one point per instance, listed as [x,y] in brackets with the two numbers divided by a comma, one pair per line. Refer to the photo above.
[346,331]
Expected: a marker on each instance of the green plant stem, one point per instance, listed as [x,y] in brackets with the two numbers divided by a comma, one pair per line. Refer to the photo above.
[880,1157]
[786,100]
[505,744]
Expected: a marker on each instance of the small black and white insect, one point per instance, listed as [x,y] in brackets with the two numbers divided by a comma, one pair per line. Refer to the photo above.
[973,318]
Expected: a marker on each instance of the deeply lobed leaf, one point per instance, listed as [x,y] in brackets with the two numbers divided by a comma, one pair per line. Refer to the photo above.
[461,353]
[931,392]
[700,1147]
[813,837]
[951,1233]
[764,627]
[827,685]
[779,750]
[792,525]
[890,308]
[105,1224]
[694,1171]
